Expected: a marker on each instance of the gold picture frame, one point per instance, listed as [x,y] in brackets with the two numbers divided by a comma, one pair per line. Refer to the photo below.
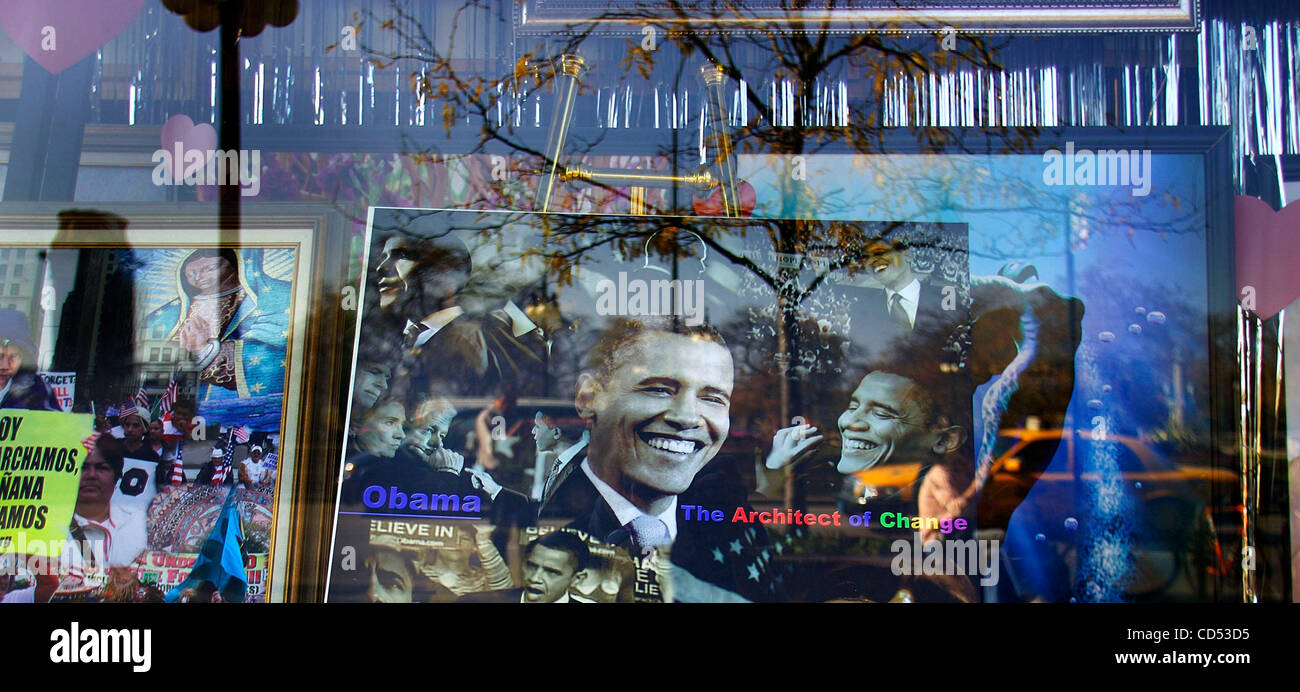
[306,240]
[569,18]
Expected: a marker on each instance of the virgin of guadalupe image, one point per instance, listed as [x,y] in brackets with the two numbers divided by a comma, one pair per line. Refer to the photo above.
[233,320]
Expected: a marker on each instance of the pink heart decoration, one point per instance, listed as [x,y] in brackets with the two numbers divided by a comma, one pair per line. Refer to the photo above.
[179,128]
[81,27]
[1268,253]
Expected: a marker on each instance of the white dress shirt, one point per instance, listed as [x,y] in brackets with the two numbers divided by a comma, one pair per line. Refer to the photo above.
[910,299]
[434,322]
[519,322]
[625,510]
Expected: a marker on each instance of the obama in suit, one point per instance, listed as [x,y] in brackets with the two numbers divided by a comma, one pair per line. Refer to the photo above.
[905,307]
[657,399]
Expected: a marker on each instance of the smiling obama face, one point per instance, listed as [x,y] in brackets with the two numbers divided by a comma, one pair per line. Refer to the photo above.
[885,421]
[890,265]
[660,415]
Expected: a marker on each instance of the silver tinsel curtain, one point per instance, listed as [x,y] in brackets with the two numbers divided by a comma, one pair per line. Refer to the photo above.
[292,76]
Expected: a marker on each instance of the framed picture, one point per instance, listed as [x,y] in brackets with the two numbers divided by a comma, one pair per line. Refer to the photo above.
[491,362]
[1021,359]
[205,358]
[543,17]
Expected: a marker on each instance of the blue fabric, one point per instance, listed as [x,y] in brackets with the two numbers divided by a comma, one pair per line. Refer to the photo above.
[220,560]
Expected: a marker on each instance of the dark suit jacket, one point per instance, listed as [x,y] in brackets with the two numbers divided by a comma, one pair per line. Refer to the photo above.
[210,469]
[874,333]
[576,500]
[28,391]
[473,354]
[405,472]
[163,478]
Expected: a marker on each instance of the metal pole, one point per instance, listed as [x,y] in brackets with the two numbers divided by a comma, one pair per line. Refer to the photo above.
[572,67]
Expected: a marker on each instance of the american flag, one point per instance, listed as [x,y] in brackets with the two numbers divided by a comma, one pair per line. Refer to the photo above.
[219,473]
[237,435]
[222,468]
[178,466]
[141,399]
[168,398]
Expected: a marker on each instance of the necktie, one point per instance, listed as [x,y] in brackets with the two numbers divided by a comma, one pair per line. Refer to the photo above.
[899,313]
[647,532]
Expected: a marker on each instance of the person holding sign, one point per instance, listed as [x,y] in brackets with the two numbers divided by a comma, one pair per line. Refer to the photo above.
[41,492]
[116,534]
[105,534]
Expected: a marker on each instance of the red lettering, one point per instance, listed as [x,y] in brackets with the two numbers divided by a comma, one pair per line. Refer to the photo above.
[159,560]
[739,516]
[752,515]
[824,519]
[765,518]
[836,517]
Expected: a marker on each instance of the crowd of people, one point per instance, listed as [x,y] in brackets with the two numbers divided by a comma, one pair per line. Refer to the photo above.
[160,448]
